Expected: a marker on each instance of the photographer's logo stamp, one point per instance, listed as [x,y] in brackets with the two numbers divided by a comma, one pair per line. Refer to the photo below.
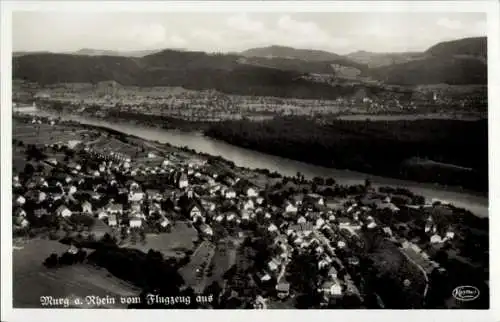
[466,293]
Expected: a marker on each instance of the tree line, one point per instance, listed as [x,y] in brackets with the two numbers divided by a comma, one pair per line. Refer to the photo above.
[452,152]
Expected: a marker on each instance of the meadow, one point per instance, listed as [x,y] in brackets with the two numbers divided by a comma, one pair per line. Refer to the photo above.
[31,279]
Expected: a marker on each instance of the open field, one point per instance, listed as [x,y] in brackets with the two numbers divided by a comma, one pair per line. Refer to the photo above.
[224,258]
[115,145]
[31,279]
[173,244]
[44,133]
[194,273]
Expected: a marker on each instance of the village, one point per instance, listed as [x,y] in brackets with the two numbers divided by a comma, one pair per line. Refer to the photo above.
[84,183]
[111,98]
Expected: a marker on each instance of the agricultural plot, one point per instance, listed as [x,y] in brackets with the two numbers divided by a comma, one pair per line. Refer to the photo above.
[195,272]
[174,244]
[224,257]
[143,162]
[71,281]
[115,145]
[46,134]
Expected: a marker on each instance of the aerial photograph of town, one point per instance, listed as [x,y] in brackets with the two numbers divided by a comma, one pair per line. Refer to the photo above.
[274,160]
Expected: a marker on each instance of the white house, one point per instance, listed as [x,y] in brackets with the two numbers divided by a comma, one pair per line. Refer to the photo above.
[86,207]
[195,211]
[20,200]
[42,196]
[230,194]
[135,222]
[290,208]
[20,212]
[248,205]
[102,214]
[265,277]
[320,222]
[24,223]
[63,211]
[332,273]
[165,222]
[272,228]
[319,250]
[231,217]
[435,239]
[251,192]
[450,234]
[135,196]
[273,265]
[371,225]
[115,209]
[301,220]
[388,231]
[183,181]
[72,190]
[112,222]
[331,288]
[245,215]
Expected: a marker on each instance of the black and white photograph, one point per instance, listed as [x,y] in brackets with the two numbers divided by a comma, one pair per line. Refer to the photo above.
[258,157]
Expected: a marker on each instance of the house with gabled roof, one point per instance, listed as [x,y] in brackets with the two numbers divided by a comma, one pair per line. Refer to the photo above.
[283,289]
[63,211]
[86,207]
[290,208]
[272,228]
[112,221]
[135,222]
[115,208]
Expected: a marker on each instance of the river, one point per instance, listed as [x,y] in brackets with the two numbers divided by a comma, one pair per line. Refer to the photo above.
[408,117]
[253,159]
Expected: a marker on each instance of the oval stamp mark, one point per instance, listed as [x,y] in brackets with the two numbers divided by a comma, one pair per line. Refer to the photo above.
[466,293]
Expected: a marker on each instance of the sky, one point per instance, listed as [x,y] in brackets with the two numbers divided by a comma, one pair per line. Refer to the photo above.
[231,32]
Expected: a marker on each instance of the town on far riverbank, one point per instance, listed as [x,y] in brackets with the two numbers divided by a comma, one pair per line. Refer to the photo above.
[139,217]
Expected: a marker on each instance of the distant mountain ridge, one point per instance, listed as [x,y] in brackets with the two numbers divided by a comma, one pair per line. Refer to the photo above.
[374,60]
[98,52]
[273,70]
[289,52]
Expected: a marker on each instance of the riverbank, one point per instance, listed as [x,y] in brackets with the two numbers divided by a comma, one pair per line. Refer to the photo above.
[256,160]
[456,151]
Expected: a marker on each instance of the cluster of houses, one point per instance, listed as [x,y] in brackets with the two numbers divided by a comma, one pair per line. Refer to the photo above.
[112,188]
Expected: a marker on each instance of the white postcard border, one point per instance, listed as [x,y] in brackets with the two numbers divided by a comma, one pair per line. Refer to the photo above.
[9,314]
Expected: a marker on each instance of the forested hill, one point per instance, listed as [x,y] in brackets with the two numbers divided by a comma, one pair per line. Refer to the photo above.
[449,63]
[446,152]
[192,70]
[457,62]
[472,47]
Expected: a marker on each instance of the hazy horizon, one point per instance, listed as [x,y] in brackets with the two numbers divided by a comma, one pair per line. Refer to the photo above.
[336,32]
